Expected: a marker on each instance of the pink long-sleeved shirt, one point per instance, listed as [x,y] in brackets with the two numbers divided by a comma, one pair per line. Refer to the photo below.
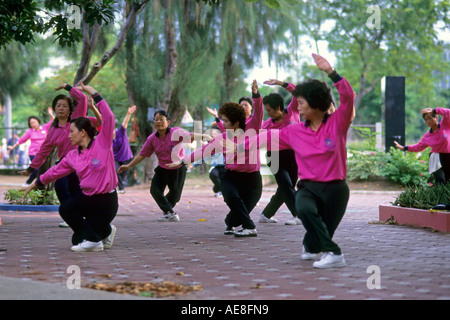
[247,160]
[292,116]
[439,141]
[168,149]
[36,137]
[321,155]
[59,136]
[94,165]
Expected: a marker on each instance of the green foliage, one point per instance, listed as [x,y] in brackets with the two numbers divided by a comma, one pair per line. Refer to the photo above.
[423,196]
[35,197]
[21,20]
[405,168]
[363,165]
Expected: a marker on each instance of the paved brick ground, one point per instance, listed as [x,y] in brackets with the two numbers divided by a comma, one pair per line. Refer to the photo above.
[414,263]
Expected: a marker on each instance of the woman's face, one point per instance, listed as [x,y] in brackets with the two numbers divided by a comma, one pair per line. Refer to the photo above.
[161,123]
[430,121]
[75,135]
[227,124]
[274,114]
[247,107]
[62,109]
[304,109]
[34,124]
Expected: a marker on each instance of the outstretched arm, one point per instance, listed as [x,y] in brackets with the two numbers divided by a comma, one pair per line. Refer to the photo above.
[138,159]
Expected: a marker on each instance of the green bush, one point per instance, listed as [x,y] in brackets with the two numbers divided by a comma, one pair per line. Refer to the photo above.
[405,168]
[35,197]
[363,165]
[423,196]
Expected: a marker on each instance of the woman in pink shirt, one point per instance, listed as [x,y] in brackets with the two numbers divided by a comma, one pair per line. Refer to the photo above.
[65,109]
[241,184]
[36,134]
[167,144]
[438,138]
[91,212]
[281,162]
[319,144]
[252,121]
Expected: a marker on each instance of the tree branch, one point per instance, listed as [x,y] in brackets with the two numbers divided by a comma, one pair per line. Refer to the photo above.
[131,18]
[89,44]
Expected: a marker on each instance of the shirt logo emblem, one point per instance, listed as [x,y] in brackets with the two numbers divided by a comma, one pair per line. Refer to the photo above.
[96,163]
[330,144]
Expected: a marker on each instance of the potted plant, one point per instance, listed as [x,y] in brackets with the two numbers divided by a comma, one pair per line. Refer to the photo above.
[418,206]
[37,200]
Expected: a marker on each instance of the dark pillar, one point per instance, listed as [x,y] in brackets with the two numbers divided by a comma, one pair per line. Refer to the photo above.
[394,110]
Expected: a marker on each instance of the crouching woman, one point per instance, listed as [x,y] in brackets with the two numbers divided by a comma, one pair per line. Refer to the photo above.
[90,213]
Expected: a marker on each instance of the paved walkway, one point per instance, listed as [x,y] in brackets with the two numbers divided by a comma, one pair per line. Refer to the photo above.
[413,263]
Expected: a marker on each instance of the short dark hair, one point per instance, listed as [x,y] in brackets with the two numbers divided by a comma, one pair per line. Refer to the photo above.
[315,92]
[33,117]
[162,113]
[85,124]
[249,100]
[274,100]
[64,97]
[234,112]
[432,113]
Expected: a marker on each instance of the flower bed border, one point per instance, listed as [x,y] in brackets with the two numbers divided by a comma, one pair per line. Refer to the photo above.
[438,220]
[19,207]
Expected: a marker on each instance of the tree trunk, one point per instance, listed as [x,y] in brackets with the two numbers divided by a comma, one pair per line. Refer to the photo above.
[171,55]
[228,76]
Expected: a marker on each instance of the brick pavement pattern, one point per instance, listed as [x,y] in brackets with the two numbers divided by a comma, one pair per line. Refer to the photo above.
[414,263]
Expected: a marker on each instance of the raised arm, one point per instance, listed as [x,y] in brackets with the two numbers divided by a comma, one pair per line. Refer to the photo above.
[292,108]
[346,111]
[258,113]
[445,113]
[97,114]
[81,109]
[219,123]
[105,137]
[130,111]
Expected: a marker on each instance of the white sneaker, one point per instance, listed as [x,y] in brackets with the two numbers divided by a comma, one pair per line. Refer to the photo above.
[63,225]
[108,241]
[293,221]
[246,233]
[330,260]
[218,194]
[308,255]
[229,231]
[264,219]
[88,246]
[169,217]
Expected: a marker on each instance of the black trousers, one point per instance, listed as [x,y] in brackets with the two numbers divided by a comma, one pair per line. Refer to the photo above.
[33,175]
[444,158]
[216,174]
[241,192]
[286,175]
[90,217]
[320,207]
[122,178]
[67,187]
[174,180]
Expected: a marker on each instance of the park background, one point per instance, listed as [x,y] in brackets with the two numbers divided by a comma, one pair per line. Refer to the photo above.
[184,56]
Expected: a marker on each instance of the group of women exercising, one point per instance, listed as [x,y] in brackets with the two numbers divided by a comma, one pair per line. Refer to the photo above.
[306,148]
